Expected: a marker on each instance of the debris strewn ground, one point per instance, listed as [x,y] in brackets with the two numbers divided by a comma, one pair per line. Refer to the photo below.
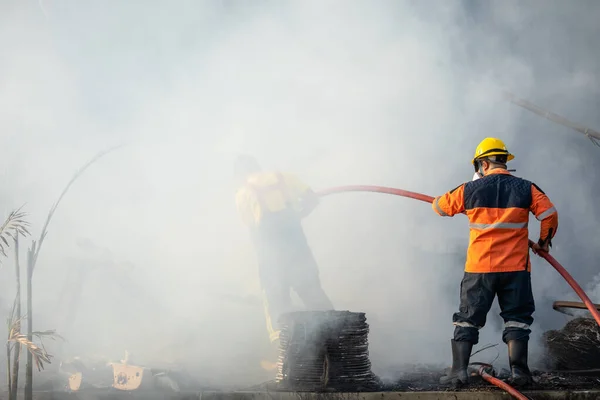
[417,378]
[328,352]
[423,379]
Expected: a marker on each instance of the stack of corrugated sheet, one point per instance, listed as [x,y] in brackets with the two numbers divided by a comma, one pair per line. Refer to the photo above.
[325,350]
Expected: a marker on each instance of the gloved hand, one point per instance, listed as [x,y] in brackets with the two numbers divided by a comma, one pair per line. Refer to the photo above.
[536,248]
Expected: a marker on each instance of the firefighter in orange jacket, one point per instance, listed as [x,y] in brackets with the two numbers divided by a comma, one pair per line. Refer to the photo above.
[272,205]
[498,207]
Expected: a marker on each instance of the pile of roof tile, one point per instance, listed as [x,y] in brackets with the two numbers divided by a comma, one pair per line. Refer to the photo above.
[325,350]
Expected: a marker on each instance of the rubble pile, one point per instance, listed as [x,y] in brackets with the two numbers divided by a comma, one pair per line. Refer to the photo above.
[325,350]
[574,347]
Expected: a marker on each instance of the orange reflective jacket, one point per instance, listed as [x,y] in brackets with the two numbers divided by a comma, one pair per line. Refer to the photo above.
[498,207]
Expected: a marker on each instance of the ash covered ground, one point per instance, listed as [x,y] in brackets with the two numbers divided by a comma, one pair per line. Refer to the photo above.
[572,363]
[425,378]
[407,378]
[429,382]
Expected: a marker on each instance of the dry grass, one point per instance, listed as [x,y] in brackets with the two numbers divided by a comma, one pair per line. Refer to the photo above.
[38,352]
[14,225]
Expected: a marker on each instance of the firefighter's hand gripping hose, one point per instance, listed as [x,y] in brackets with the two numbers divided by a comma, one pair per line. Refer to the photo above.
[551,260]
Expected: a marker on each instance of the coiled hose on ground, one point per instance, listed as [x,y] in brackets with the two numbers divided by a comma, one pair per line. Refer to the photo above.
[551,260]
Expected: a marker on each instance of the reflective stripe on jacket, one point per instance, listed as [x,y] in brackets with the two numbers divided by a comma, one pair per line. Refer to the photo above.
[498,207]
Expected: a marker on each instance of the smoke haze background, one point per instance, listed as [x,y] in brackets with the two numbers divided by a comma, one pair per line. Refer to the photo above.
[394,93]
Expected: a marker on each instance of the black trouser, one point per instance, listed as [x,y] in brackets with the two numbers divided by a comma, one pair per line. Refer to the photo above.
[477,292]
[285,262]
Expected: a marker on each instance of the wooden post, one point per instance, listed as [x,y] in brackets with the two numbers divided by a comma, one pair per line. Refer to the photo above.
[8,375]
[28,392]
[17,352]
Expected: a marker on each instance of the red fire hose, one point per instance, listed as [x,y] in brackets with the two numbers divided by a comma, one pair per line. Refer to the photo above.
[563,272]
[551,260]
[378,189]
[483,372]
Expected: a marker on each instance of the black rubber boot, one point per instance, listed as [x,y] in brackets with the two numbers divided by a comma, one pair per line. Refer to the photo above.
[458,376]
[517,357]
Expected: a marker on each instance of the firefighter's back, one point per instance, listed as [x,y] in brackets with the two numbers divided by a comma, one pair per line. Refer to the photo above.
[498,209]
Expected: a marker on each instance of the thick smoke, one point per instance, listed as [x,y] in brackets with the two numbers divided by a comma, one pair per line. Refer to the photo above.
[147,254]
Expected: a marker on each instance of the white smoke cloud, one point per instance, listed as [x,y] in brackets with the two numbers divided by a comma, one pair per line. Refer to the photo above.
[386,93]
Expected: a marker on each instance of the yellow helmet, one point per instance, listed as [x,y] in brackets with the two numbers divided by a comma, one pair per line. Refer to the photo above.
[491,147]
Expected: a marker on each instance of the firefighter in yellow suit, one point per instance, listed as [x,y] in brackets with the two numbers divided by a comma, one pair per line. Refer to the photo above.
[272,205]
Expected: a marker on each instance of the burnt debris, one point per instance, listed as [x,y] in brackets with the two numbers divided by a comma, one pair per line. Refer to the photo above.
[325,350]
[575,347]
